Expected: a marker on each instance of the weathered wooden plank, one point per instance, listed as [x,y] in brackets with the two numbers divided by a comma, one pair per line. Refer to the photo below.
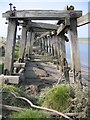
[54,45]
[9,79]
[62,50]
[28,43]
[75,55]
[43,35]
[43,14]
[43,42]
[83,20]
[49,49]
[51,40]
[44,26]
[22,65]
[10,45]
[50,45]
[32,41]
[39,30]
[63,26]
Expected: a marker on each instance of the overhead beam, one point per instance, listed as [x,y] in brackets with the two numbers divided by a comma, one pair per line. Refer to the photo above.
[38,30]
[45,26]
[63,26]
[9,79]
[83,20]
[43,35]
[42,14]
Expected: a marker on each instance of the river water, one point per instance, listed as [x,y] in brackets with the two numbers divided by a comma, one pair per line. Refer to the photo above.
[84,54]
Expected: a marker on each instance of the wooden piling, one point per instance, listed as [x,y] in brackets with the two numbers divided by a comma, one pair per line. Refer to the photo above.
[32,41]
[75,55]
[10,46]
[28,43]
[23,43]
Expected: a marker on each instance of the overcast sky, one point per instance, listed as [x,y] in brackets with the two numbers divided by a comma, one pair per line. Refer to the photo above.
[38,4]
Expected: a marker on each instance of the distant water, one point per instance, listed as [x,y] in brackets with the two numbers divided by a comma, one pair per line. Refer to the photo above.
[84,53]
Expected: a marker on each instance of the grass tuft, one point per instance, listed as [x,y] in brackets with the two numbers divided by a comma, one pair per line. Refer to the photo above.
[33,114]
[58,98]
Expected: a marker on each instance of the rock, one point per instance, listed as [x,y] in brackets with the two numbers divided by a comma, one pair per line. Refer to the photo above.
[40,72]
[32,90]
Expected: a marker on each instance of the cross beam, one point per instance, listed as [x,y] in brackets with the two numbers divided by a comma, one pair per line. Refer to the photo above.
[43,35]
[63,26]
[42,14]
[83,20]
[44,26]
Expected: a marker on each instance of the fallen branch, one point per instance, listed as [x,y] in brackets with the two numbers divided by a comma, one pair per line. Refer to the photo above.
[71,114]
[19,109]
[41,108]
[11,108]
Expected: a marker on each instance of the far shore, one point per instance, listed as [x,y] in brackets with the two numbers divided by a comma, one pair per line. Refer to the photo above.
[84,41]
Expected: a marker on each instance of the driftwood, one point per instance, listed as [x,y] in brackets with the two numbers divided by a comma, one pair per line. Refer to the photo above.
[11,108]
[19,109]
[39,107]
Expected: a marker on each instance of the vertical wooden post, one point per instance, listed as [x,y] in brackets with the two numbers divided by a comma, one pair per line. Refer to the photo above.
[31,42]
[43,43]
[57,46]
[50,49]
[62,47]
[53,46]
[23,43]
[62,50]
[28,43]
[75,55]
[53,51]
[10,46]
[48,45]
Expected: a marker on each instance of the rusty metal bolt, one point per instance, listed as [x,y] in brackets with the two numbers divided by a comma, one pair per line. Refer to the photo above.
[10,6]
[6,22]
[14,8]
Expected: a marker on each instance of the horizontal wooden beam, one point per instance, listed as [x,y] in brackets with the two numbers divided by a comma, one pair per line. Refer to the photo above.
[38,30]
[83,20]
[9,79]
[45,26]
[43,35]
[42,14]
[16,64]
[63,26]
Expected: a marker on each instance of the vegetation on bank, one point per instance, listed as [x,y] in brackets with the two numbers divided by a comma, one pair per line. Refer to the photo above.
[85,39]
[16,53]
[1,68]
[57,98]
[62,98]
[9,99]
[2,51]
[34,114]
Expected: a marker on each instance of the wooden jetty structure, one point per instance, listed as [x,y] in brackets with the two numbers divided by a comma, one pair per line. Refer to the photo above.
[50,37]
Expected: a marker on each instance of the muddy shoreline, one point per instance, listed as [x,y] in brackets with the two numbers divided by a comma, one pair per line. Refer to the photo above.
[84,41]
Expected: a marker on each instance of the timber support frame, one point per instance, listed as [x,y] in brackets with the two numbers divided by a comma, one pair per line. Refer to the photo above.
[51,37]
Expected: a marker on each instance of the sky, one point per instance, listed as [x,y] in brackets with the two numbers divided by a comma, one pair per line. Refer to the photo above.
[46,5]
